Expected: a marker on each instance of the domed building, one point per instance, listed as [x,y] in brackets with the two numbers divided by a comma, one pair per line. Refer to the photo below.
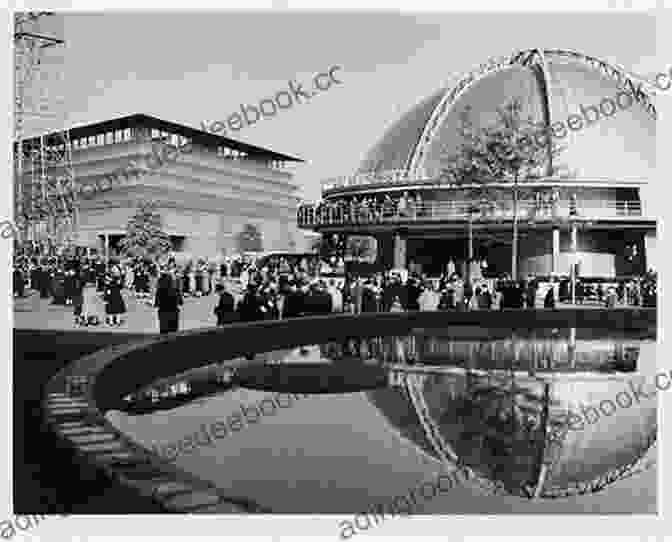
[586,209]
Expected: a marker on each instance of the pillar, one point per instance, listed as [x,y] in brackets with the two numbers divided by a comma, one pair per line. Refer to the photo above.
[572,347]
[651,256]
[399,251]
[555,262]
[574,249]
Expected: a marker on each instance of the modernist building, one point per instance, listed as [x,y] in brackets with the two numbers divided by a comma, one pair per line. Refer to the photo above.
[592,213]
[207,197]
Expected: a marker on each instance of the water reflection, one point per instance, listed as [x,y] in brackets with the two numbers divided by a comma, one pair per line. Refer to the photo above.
[530,350]
[172,393]
[495,401]
[512,430]
[501,406]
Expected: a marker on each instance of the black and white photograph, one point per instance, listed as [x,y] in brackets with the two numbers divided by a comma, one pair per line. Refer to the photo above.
[370,267]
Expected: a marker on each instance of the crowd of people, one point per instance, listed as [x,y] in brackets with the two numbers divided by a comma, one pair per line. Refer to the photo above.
[365,209]
[281,289]
[410,205]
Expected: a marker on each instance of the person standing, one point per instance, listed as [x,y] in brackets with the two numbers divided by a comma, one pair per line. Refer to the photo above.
[68,286]
[549,300]
[357,295]
[199,279]
[531,293]
[250,306]
[90,301]
[100,269]
[225,308]
[19,282]
[485,299]
[336,297]
[192,280]
[77,297]
[115,305]
[429,299]
[209,285]
[167,301]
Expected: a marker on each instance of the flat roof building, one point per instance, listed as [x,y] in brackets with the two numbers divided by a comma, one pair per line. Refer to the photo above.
[209,196]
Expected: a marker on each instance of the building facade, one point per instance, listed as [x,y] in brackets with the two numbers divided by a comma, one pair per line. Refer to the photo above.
[209,198]
[592,213]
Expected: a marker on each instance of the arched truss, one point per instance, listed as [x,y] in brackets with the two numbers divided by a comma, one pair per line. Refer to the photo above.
[533,58]
[413,384]
[642,464]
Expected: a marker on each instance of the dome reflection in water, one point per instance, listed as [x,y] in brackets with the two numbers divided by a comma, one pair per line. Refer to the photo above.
[498,403]
[495,401]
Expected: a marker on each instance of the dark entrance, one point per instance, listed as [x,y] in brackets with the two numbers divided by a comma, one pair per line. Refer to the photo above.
[434,254]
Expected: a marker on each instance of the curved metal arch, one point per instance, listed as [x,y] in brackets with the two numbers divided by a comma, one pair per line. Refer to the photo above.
[599,483]
[412,384]
[527,57]
[439,444]
[420,406]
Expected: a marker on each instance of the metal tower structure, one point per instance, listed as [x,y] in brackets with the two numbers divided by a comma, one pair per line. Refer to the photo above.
[45,196]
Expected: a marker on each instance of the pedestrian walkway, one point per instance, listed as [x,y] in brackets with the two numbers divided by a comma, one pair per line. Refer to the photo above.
[34,313]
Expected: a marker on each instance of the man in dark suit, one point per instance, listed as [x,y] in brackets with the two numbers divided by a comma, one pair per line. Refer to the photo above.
[225,307]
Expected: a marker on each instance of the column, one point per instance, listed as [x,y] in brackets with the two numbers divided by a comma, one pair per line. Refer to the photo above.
[555,263]
[572,347]
[399,251]
[574,260]
[651,257]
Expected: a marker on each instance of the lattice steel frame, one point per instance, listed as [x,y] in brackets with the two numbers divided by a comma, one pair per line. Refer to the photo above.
[47,190]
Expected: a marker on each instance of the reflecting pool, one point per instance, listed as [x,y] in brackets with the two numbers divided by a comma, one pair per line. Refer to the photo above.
[538,421]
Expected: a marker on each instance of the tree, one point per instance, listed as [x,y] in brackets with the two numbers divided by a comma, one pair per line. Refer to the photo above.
[249,239]
[508,151]
[145,237]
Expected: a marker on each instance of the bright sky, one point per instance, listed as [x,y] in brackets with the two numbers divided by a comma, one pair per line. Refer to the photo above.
[188,67]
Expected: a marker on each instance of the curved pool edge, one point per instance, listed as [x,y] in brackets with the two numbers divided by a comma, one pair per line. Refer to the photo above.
[76,396]
[71,413]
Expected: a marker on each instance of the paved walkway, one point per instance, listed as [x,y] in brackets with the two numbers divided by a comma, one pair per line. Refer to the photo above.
[34,313]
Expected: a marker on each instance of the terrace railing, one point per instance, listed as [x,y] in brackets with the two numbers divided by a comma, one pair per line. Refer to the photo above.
[331,214]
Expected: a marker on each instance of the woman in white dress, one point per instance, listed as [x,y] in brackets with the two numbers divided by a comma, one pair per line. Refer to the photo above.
[90,306]
[130,277]
[192,281]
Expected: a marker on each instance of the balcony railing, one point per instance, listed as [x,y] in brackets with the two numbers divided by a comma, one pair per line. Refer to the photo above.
[310,215]
[395,176]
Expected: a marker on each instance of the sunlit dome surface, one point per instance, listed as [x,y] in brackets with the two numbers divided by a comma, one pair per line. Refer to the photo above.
[617,148]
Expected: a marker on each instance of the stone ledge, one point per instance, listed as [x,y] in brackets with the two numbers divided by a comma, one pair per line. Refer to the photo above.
[79,394]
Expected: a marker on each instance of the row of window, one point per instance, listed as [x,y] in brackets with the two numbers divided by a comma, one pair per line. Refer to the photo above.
[128,135]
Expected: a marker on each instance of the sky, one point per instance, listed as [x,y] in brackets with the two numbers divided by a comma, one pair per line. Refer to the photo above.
[190,67]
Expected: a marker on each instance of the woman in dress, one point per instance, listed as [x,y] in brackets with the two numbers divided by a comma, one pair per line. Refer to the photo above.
[115,305]
[199,279]
[185,279]
[90,306]
[192,281]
